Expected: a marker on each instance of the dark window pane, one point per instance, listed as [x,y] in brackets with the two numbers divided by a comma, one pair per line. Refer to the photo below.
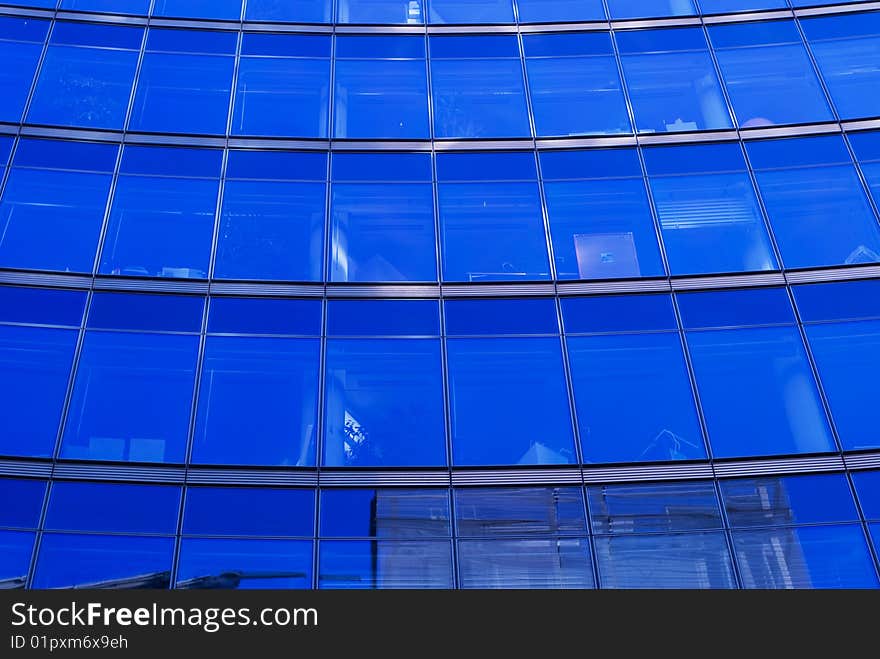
[506,316]
[527,511]
[15,557]
[386,513]
[238,315]
[838,301]
[366,564]
[21,42]
[617,313]
[534,563]
[733,308]
[383,318]
[249,511]
[113,507]
[27,496]
[41,306]
[868,490]
[244,564]
[667,507]
[172,313]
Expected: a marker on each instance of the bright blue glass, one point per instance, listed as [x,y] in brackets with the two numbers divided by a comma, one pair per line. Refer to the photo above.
[672,82]
[184,82]
[381,11]
[617,313]
[509,404]
[103,561]
[35,363]
[486,512]
[660,508]
[385,513]
[124,508]
[768,74]
[21,42]
[709,216]
[170,313]
[229,10]
[148,209]
[371,564]
[238,315]
[614,374]
[758,393]
[736,307]
[136,7]
[28,497]
[533,563]
[383,403]
[505,316]
[842,45]
[283,86]
[131,398]
[868,490]
[383,318]
[465,12]
[574,85]
[559,11]
[44,306]
[818,211]
[805,557]
[53,205]
[303,11]
[86,76]
[15,557]
[730,6]
[677,560]
[261,388]
[477,87]
[848,358]
[849,300]
[244,564]
[240,511]
[382,218]
[649,8]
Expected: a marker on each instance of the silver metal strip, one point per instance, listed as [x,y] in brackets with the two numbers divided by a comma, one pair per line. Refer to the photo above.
[641,24]
[255,289]
[384,291]
[278,144]
[206,476]
[517,477]
[380,145]
[524,144]
[31,469]
[156,285]
[788,131]
[866,461]
[637,474]
[600,142]
[482,290]
[778,466]
[95,17]
[732,281]
[615,287]
[384,479]
[833,274]
[861,124]
[689,138]
[45,279]
[144,474]
[743,17]
[828,10]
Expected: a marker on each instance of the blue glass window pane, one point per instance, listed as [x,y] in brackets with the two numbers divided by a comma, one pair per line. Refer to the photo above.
[611,376]
[131,399]
[848,358]
[805,557]
[229,10]
[383,404]
[768,74]
[15,557]
[51,215]
[235,315]
[842,46]
[113,507]
[648,8]
[383,318]
[20,48]
[758,393]
[44,306]
[249,511]
[666,507]
[730,6]
[381,11]
[135,7]
[618,313]
[866,145]
[559,11]
[363,564]
[681,560]
[86,76]
[577,91]
[261,389]
[508,511]
[868,490]
[477,86]
[304,11]
[838,301]
[167,162]
[509,403]
[732,308]
[386,513]
[35,363]
[464,11]
[534,563]
[672,82]
[778,501]
[710,220]
[103,561]
[172,313]
[28,497]
[507,316]
[244,564]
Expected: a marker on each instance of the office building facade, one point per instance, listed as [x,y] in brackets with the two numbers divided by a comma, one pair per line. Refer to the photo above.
[439,294]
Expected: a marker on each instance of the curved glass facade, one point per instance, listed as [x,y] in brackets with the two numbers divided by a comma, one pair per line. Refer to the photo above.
[444,293]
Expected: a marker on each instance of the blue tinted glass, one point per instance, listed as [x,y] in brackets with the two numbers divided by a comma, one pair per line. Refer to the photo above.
[20,47]
[86,76]
[749,306]
[264,316]
[249,511]
[304,11]
[648,8]
[592,164]
[847,356]
[838,301]
[778,501]
[53,205]
[175,313]
[798,152]
[534,563]
[138,7]
[509,404]
[183,163]
[464,11]
[35,363]
[618,313]
[244,564]
[383,318]
[113,507]
[381,11]
[15,557]
[131,398]
[516,316]
[758,393]
[509,511]
[191,41]
[672,91]
[41,306]
[224,9]
[5,150]
[679,560]
[666,507]
[725,6]
[865,145]
[553,11]
[103,561]
[383,404]
[611,376]
[262,389]
[369,564]
[868,490]
[478,91]
[28,498]
[805,557]
[387,513]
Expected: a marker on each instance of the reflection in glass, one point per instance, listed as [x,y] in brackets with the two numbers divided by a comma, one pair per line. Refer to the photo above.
[535,563]
[15,558]
[368,564]
[244,564]
[511,511]
[384,513]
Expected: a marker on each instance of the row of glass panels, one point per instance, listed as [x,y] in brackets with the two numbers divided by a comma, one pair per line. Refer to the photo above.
[473,86]
[71,207]
[495,391]
[769,532]
[415,11]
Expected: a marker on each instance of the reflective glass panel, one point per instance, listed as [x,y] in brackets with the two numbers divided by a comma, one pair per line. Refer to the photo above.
[465,11]
[15,557]
[381,11]
[384,513]
[533,563]
[249,511]
[666,507]
[28,498]
[510,511]
[369,564]
[244,564]
[113,507]
[21,42]
[302,11]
